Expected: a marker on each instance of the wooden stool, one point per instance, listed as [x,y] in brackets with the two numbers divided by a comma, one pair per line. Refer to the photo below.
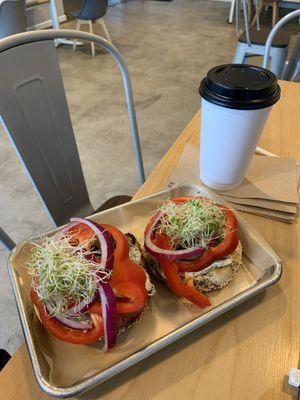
[275,10]
[90,23]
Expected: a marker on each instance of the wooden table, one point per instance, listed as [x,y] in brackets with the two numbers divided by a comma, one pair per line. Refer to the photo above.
[243,355]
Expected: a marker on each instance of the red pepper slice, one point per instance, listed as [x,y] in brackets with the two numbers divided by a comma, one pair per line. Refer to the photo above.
[81,233]
[66,334]
[225,248]
[128,278]
[171,272]
[171,268]
[134,297]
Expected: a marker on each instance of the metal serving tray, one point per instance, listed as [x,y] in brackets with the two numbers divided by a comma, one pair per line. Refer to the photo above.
[65,370]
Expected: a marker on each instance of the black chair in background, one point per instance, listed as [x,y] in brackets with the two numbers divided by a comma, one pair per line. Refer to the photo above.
[92,12]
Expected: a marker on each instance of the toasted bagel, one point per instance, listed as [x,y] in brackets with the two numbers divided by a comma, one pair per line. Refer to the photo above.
[214,277]
[127,320]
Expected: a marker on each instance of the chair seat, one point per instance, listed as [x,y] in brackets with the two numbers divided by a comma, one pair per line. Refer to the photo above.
[260,37]
[4,358]
[76,14]
[91,10]
[113,202]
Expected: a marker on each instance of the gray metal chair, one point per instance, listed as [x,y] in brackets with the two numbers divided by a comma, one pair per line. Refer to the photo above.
[292,69]
[12,17]
[34,111]
[293,66]
[252,42]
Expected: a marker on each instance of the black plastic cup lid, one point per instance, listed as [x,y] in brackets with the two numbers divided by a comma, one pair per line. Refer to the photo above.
[240,86]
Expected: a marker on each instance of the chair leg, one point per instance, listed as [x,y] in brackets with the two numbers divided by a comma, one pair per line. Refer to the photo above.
[275,11]
[296,72]
[104,27]
[240,54]
[259,12]
[92,43]
[237,17]
[256,16]
[231,12]
[292,69]
[250,10]
[78,24]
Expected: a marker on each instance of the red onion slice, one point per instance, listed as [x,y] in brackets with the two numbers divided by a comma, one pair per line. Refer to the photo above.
[108,300]
[106,243]
[67,227]
[83,306]
[157,252]
[69,322]
[109,315]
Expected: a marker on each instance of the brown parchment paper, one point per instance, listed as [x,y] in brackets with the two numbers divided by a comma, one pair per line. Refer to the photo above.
[267,204]
[270,188]
[67,364]
[270,178]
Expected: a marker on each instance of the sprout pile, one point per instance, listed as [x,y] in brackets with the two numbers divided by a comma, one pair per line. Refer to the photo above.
[64,272]
[197,222]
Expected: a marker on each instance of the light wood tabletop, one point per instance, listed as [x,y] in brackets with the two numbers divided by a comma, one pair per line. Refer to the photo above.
[245,354]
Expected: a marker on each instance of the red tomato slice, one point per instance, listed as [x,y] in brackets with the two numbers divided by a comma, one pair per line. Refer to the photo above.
[66,334]
[171,272]
[135,297]
[225,248]
[128,280]
[81,233]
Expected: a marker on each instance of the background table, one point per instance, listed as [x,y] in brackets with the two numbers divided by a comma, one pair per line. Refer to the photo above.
[243,355]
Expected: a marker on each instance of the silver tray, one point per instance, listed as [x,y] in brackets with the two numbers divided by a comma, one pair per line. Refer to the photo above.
[65,370]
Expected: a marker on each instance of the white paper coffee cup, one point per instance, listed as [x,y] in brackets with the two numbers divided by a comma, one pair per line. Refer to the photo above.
[236,102]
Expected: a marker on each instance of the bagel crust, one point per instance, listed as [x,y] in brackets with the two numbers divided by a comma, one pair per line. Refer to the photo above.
[214,277]
[125,321]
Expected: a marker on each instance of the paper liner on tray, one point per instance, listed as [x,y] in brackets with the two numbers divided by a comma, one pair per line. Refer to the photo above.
[69,366]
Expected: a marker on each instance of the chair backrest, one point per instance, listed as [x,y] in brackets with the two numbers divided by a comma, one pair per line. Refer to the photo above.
[34,110]
[92,9]
[274,31]
[12,17]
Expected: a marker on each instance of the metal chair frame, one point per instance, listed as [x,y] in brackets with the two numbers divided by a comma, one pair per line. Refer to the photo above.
[46,35]
[245,50]
[272,34]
